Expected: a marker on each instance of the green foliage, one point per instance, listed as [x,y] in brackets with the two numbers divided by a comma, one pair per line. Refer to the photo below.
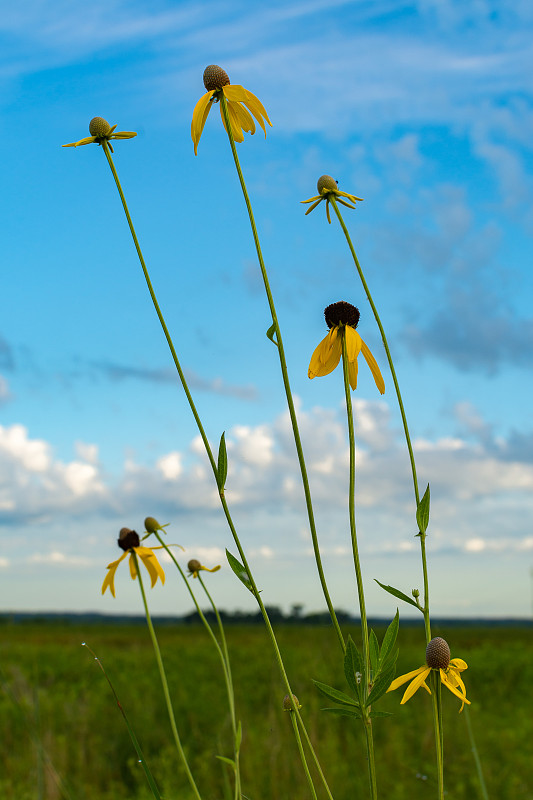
[239,570]
[422,512]
[63,697]
[397,593]
[222,464]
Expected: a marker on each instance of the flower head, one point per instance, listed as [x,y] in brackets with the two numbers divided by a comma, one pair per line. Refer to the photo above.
[241,105]
[194,566]
[101,131]
[129,542]
[342,319]
[287,705]
[438,659]
[328,189]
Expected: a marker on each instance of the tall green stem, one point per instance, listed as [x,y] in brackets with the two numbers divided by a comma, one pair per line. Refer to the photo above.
[285,374]
[479,768]
[244,561]
[164,683]
[357,565]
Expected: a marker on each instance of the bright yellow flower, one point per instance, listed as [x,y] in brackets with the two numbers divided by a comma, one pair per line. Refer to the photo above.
[437,658]
[194,566]
[101,131]
[327,188]
[342,319]
[240,103]
[129,541]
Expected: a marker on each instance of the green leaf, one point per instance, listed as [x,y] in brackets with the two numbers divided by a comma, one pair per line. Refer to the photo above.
[353,663]
[397,593]
[374,652]
[226,761]
[391,659]
[271,333]
[381,685]
[335,694]
[239,570]
[222,466]
[422,512]
[389,640]
[238,737]
[343,712]
[374,714]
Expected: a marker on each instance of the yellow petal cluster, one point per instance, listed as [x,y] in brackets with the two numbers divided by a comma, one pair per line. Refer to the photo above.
[242,106]
[328,355]
[449,677]
[148,558]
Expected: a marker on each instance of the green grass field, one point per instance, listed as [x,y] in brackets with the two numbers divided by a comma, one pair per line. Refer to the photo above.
[62,735]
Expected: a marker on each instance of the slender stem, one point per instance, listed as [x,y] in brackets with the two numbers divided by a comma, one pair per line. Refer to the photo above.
[229,686]
[437,725]
[302,755]
[158,310]
[207,446]
[357,565]
[479,768]
[385,344]
[285,374]
[164,683]
[223,655]
[422,537]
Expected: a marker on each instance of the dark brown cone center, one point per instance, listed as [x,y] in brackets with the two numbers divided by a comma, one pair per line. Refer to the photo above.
[341,313]
[128,539]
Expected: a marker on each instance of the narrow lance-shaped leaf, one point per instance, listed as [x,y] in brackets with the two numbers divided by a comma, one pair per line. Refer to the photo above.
[374,652]
[389,640]
[239,570]
[353,666]
[397,593]
[382,683]
[335,694]
[343,712]
[422,512]
[222,466]
[271,332]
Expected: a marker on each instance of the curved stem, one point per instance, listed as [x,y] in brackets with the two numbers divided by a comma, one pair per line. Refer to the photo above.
[357,565]
[212,461]
[164,683]
[285,374]
[479,768]
[302,755]
[229,687]
[223,655]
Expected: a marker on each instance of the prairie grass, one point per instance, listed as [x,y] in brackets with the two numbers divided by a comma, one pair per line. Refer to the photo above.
[58,718]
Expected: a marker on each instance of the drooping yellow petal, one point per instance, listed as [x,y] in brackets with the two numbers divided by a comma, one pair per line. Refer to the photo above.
[313,206]
[404,678]
[326,356]
[458,664]
[199,116]
[234,92]
[234,120]
[87,140]
[352,374]
[133,568]
[124,135]
[374,369]
[451,687]
[257,108]
[317,197]
[415,685]
[109,580]
[327,210]
[151,563]
[245,118]
[353,343]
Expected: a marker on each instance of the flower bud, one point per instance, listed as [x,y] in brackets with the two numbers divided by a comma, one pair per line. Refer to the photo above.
[287,706]
[438,654]
[415,593]
[152,525]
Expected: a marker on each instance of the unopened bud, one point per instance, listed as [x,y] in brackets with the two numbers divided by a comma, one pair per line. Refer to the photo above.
[152,525]
[287,705]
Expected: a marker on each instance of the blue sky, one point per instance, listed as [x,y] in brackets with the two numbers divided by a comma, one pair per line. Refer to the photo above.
[424,109]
